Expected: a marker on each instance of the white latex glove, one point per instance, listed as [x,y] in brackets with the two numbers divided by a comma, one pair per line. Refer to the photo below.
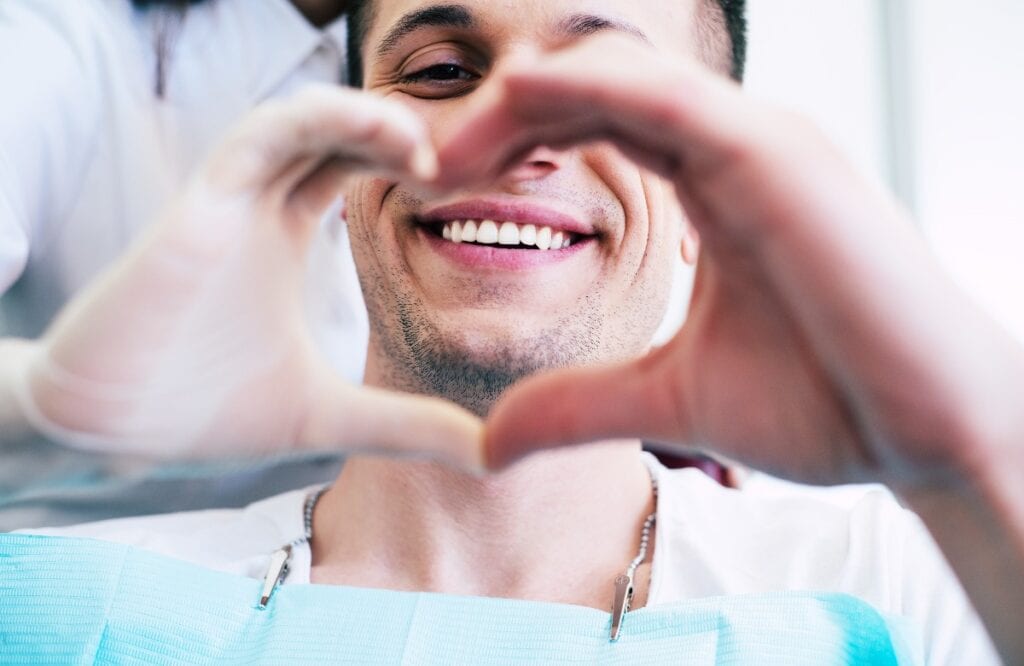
[195,343]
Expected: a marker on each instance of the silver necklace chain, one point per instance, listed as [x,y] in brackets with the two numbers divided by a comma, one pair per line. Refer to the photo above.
[307,515]
[624,588]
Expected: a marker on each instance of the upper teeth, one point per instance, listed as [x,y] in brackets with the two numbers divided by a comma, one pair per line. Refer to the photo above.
[489,232]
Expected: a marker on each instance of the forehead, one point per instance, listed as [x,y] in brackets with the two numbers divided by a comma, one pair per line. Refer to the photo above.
[669,25]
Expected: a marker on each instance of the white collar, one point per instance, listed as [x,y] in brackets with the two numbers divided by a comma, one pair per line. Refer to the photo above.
[273,39]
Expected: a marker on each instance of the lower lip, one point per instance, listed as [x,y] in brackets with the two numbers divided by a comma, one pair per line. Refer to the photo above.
[473,255]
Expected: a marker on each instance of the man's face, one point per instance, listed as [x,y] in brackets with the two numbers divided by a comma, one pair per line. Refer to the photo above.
[567,258]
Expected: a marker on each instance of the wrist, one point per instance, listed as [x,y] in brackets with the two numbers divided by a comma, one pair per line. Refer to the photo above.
[983,463]
[971,438]
[977,520]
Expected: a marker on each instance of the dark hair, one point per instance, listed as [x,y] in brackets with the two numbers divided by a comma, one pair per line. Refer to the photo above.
[734,13]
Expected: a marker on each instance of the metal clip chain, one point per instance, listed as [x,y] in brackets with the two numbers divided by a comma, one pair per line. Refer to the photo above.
[624,589]
[281,558]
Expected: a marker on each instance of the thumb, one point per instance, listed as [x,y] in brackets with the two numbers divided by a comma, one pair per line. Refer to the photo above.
[359,418]
[579,405]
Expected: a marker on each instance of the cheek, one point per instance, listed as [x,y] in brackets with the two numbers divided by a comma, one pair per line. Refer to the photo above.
[667,228]
[364,201]
[654,226]
[655,241]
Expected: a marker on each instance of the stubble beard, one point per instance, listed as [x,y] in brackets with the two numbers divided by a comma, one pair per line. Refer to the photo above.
[419,357]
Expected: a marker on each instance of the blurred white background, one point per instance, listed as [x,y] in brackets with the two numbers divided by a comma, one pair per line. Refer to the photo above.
[928,96]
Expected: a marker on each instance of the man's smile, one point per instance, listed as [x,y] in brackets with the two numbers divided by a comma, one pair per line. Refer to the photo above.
[503,234]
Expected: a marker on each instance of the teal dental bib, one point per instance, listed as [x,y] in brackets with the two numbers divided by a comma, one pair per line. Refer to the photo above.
[82,601]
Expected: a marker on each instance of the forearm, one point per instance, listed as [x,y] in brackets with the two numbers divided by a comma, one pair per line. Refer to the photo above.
[14,356]
[978,522]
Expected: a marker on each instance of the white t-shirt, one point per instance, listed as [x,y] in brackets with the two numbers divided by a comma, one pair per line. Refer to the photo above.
[769,536]
[89,154]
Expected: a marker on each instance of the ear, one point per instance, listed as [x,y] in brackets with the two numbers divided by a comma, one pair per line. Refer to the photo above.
[689,240]
[690,243]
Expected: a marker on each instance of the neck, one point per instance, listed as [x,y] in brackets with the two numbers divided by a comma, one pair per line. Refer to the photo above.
[557,527]
[320,12]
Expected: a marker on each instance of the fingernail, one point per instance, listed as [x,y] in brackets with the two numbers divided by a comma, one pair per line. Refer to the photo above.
[424,162]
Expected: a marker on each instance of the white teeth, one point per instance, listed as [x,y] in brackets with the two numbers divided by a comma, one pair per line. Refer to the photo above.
[487,233]
[508,234]
[544,238]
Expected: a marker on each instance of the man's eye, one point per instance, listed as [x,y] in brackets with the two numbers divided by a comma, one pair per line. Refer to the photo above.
[442,72]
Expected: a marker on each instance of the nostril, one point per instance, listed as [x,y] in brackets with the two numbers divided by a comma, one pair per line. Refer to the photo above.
[539,168]
[538,163]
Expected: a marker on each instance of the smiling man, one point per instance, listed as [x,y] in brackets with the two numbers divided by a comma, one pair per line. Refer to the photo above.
[563,258]
[578,244]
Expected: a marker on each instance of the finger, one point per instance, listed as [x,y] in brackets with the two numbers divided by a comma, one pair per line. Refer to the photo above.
[582,405]
[322,187]
[357,418]
[282,143]
[663,113]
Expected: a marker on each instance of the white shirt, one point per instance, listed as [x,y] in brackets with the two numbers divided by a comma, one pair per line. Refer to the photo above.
[710,541]
[89,154]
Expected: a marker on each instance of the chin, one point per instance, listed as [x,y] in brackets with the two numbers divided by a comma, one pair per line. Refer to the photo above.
[513,342]
[473,368]
[472,356]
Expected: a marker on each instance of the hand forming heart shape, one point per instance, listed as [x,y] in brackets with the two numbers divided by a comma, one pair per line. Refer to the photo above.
[809,350]
[195,343]
[823,343]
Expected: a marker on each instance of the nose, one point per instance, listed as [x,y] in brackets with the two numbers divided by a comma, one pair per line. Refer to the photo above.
[540,163]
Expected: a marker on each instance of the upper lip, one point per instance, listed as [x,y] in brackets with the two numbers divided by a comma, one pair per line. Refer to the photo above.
[520,212]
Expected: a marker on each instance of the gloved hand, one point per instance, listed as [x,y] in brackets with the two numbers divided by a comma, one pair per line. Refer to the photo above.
[195,342]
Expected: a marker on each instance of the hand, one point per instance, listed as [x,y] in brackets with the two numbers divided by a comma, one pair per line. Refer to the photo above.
[823,342]
[195,342]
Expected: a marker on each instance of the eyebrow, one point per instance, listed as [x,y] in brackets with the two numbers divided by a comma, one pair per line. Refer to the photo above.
[459,16]
[436,16]
[581,25]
